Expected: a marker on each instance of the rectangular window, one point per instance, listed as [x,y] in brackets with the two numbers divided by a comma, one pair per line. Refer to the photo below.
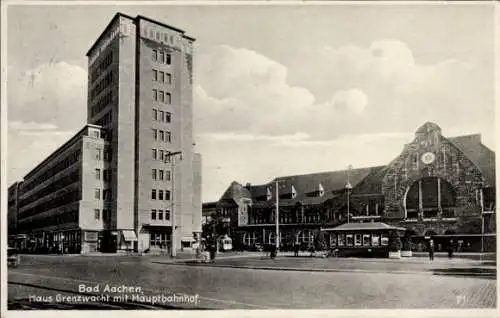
[167,156]
[155,134]
[167,175]
[167,195]
[333,240]
[169,78]
[162,115]
[107,175]
[98,174]
[366,239]
[168,136]
[96,134]
[349,239]
[153,214]
[153,194]
[98,153]
[162,96]
[169,59]
[161,174]
[160,214]
[154,154]
[341,239]
[160,194]
[375,240]
[168,98]
[162,77]
[97,194]
[384,240]
[162,135]
[161,155]
[155,94]
[155,75]
[162,57]
[167,215]
[168,117]
[357,239]
[153,174]
[97,214]
[155,114]
[155,55]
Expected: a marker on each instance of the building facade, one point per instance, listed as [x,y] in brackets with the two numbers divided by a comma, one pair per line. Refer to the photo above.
[140,96]
[440,187]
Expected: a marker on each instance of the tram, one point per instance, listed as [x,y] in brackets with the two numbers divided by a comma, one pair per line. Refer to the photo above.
[225,243]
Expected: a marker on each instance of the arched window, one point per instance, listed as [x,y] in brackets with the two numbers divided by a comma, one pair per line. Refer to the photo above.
[430,195]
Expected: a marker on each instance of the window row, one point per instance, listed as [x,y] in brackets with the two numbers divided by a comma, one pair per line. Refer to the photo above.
[161,155]
[162,77]
[54,186]
[161,175]
[162,57]
[106,194]
[102,85]
[162,135]
[54,170]
[162,116]
[358,240]
[160,195]
[106,174]
[160,215]
[62,200]
[103,102]
[162,96]
[105,120]
[68,217]
[103,65]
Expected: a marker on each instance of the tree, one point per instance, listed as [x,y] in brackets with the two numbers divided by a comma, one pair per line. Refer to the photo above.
[394,241]
[321,241]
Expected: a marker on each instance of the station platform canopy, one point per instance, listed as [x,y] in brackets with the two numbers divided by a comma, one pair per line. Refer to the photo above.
[369,226]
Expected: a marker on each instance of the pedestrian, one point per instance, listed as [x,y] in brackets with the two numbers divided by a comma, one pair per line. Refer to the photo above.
[431,250]
[450,249]
[213,249]
[296,249]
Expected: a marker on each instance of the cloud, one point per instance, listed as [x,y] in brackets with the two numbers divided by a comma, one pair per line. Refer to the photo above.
[31,126]
[51,93]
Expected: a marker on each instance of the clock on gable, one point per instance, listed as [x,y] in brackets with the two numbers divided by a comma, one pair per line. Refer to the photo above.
[428,158]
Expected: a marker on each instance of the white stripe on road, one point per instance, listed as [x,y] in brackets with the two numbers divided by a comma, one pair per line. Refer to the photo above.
[232,302]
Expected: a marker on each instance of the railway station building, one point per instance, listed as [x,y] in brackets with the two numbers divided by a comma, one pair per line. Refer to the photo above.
[436,187]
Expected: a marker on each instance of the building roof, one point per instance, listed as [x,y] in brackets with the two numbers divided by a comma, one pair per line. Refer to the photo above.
[236,192]
[364,226]
[482,156]
[364,181]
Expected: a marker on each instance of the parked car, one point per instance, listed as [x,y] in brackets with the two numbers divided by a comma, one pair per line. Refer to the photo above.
[12,257]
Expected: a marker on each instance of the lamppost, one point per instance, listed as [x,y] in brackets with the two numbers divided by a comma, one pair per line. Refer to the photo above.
[277,215]
[171,156]
[348,188]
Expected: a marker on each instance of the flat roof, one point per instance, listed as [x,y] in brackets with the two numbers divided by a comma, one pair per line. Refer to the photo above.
[55,152]
[364,226]
[141,17]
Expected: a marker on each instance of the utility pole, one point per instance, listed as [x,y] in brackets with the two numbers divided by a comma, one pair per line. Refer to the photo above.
[171,156]
[348,188]
[277,215]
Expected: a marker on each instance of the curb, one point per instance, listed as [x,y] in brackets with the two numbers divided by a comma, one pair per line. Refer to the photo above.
[330,270]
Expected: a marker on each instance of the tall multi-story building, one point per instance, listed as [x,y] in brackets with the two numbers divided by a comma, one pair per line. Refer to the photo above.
[438,186]
[140,96]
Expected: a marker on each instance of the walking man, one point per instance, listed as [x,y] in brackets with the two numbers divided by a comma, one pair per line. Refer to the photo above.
[431,250]
[450,249]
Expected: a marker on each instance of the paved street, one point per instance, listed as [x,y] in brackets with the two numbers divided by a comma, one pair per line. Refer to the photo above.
[355,283]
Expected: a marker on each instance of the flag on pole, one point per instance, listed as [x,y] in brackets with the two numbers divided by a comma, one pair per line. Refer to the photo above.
[269,195]
[321,190]
[294,192]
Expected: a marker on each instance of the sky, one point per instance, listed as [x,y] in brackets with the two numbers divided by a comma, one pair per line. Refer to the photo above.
[278,89]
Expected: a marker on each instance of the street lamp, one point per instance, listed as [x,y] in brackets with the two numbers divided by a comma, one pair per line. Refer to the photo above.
[348,188]
[172,212]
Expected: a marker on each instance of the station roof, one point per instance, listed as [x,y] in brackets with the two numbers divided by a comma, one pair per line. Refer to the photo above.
[364,227]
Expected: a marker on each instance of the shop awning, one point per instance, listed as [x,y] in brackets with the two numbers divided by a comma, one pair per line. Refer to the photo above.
[129,235]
